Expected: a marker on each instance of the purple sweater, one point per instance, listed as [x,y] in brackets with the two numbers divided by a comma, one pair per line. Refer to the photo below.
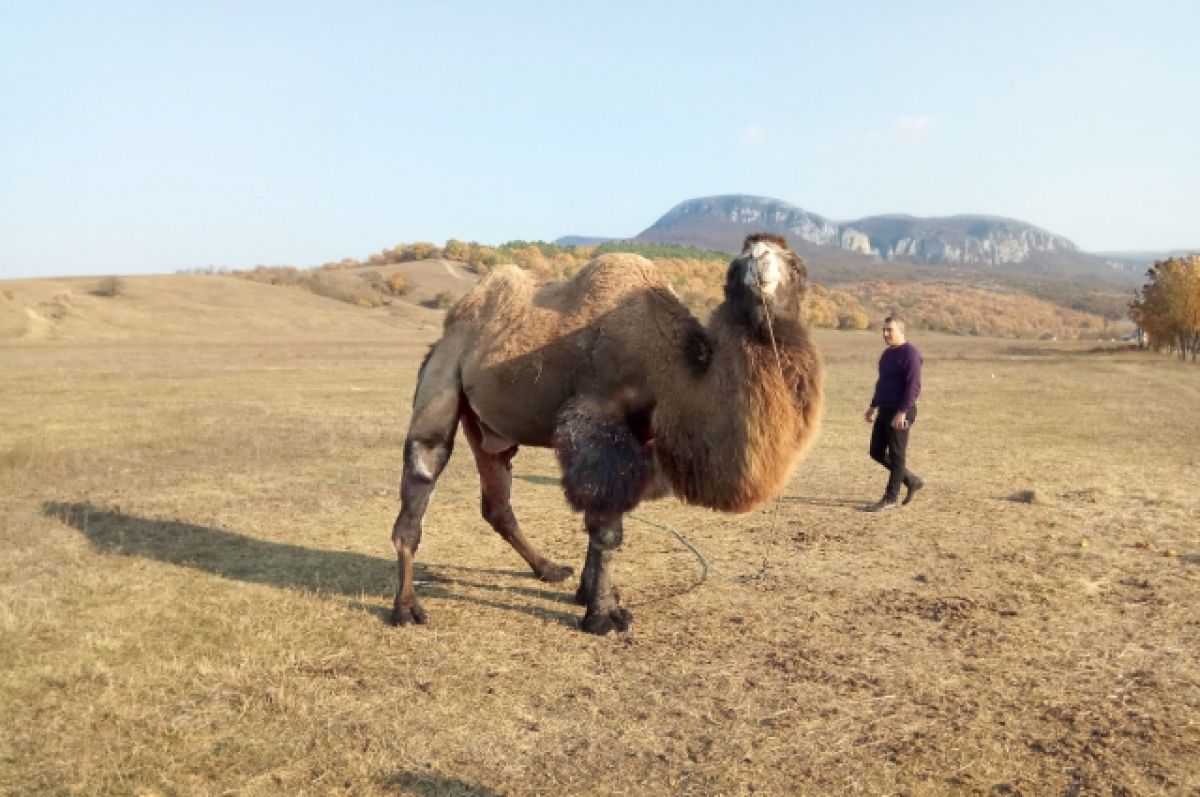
[899,378]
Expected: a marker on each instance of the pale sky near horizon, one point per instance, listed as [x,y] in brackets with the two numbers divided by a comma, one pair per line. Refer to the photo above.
[148,137]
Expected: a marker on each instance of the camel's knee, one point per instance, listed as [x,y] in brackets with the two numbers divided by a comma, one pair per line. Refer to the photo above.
[608,539]
[499,516]
[424,459]
[605,531]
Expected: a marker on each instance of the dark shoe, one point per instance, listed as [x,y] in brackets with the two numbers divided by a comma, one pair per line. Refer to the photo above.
[913,486]
[882,505]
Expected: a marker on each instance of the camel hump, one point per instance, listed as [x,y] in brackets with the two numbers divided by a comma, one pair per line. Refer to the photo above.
[503,288]
[605,281]
[620,267]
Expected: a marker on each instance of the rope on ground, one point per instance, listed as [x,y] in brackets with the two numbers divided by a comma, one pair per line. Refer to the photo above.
[706,564]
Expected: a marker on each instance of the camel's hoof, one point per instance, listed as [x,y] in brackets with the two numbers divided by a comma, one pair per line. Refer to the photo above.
[600,624]
[407,615]
[554,573]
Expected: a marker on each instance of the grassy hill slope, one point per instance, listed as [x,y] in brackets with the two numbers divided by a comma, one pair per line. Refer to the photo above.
[187,307]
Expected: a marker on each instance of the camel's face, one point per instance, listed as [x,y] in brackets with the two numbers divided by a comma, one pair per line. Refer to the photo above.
[765,267]
[765,281]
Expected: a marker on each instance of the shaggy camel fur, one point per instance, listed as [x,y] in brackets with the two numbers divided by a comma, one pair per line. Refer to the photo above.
[636,397]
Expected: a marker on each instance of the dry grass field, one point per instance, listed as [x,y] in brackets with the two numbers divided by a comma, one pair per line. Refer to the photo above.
[197,484]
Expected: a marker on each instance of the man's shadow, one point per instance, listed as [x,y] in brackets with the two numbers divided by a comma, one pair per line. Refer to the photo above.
[343,573]
[855,503]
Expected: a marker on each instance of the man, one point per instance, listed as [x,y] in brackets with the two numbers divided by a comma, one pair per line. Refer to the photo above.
[895,399]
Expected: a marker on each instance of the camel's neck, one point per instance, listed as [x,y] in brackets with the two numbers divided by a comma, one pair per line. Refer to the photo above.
[729,437]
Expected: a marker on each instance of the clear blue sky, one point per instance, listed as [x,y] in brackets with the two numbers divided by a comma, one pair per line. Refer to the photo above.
[155,136]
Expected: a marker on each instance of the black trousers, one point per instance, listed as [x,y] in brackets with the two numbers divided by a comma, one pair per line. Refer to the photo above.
[889,447]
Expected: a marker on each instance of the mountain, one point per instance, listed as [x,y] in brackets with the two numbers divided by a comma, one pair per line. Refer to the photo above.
[974,243]
[721,222]
[585,240]
[969,240]
[1138,262]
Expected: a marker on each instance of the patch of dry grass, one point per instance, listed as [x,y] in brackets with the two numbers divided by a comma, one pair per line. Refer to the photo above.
[195,575]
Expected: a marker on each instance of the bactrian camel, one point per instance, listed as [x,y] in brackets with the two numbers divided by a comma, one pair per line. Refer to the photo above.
[637,398]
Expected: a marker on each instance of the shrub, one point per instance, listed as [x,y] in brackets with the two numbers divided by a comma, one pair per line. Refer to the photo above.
[109,287]
[853,318]
[397,285]
[344,287]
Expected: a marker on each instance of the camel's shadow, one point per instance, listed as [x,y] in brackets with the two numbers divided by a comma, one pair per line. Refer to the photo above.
[542,481]
[330,573]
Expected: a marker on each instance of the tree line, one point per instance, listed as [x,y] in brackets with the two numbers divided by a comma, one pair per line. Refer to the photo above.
[698,277]
[1167,308]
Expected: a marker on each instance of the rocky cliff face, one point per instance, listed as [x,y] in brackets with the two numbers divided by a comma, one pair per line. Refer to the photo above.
[756,213]
[963,240]
[960,240]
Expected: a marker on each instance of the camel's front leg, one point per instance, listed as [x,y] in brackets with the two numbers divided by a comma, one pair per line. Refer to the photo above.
[604,609]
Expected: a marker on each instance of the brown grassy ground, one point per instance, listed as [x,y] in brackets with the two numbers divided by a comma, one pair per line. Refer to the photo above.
[195,573]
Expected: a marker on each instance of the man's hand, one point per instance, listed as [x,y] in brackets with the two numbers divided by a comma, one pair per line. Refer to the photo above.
[900,422]
[870,416]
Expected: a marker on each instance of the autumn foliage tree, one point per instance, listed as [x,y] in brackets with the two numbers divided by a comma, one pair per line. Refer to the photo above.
[1168,309]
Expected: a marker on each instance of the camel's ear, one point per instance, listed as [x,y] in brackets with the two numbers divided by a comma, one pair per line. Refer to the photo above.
[796,263]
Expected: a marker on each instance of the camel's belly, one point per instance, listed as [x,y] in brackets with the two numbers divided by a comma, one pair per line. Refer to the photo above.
[515,405]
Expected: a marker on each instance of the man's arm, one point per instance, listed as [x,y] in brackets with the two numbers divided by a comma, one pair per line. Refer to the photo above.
[870,416]
[912,388]
[912,379]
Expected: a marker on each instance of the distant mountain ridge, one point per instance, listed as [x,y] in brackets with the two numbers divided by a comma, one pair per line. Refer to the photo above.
[725,217]
[584,240]
[966,239]
[1138,262]
[972,249]
[971,240]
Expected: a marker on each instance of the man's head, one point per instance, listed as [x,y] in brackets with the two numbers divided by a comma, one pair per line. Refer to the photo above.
[893,331]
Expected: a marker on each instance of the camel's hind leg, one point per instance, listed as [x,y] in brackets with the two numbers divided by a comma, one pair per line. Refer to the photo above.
[427,449]
[495,484]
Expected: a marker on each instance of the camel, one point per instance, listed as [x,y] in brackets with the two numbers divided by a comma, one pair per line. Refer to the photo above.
[637,398]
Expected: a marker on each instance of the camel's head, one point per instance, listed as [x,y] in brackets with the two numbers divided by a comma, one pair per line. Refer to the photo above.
[766,280]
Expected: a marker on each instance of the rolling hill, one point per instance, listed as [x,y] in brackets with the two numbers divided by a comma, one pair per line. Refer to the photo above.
[179,307]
